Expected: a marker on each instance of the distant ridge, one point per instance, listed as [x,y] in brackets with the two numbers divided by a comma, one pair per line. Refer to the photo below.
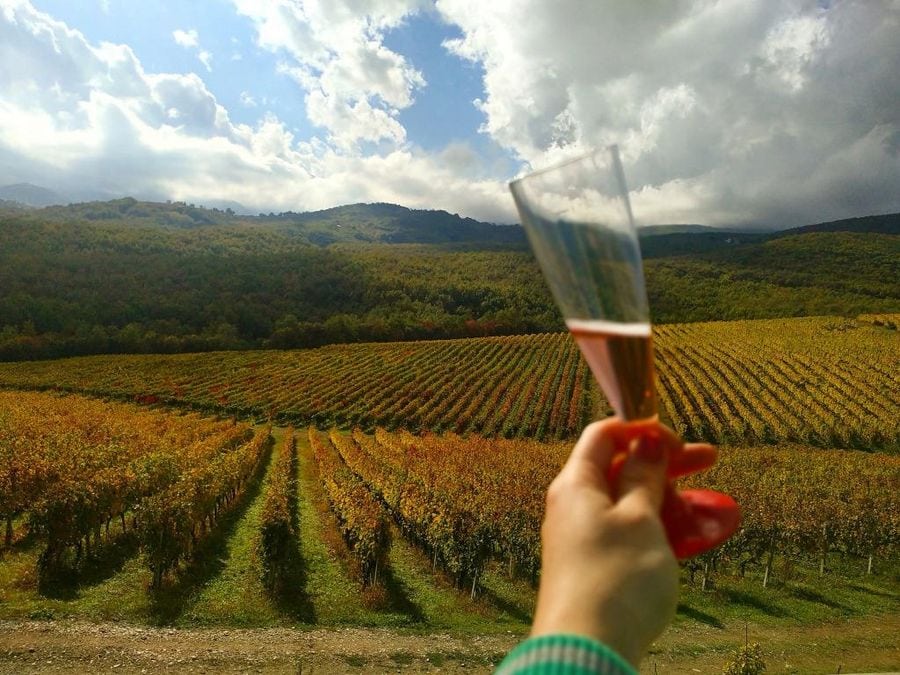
[377,223]
[385,223]
[657,230]
[888,223]
[393,224]
[30,195]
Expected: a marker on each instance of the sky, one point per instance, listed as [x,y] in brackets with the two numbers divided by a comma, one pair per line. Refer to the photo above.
[727,112]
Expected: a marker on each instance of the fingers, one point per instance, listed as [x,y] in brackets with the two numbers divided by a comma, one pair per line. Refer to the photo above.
[691,458]
[623,433]
[684,459]
[642,480]
[634,458]
[592,454]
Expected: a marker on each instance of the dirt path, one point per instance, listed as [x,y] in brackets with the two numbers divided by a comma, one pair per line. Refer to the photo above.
[861,645]
[31,647]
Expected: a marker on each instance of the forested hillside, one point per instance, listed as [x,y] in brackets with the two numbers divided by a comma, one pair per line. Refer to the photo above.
[135,277]
[353,223]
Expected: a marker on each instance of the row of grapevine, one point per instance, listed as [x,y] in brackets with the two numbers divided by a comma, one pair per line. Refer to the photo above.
[467,499]
[91,486]
[276,528]
[72,465]
[500,484]
[360,517]
[425,517]
[801,501]
[462,500]
[822,381]
[174,520]
[889,321]
[409,385]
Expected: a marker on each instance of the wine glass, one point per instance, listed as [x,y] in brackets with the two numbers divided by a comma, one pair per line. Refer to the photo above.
[579,223]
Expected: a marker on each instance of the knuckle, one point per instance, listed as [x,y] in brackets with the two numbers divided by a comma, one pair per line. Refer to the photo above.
[636,515]
[595,427]
[595,430]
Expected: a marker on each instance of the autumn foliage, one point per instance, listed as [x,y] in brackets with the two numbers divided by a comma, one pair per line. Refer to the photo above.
[361,519]
[75,466]
[276,528]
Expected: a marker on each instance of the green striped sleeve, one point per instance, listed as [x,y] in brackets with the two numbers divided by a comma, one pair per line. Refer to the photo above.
[563,655]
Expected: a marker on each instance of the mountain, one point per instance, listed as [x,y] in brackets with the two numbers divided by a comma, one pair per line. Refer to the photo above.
[656,230]
[888,223]
[699,240]
[228,205]
[391,224]
[381,223]
[129,212]
[30,195]
[352,223]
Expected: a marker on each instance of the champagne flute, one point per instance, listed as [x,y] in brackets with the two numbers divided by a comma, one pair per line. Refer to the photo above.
[579,223]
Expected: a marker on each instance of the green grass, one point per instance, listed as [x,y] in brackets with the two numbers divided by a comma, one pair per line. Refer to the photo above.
[333,596]
[436,603]
[235,595]
[797,596]
[115,591]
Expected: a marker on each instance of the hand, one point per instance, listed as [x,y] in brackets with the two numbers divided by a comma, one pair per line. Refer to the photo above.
[607,569]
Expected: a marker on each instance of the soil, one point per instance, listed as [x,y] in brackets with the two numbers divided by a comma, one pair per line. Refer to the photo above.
[859,645]
[77,647]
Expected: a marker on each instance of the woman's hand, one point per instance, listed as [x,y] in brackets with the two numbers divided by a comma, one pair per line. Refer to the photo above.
[607,569]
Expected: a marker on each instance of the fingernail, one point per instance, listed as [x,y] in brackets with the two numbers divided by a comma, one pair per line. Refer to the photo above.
[649,449]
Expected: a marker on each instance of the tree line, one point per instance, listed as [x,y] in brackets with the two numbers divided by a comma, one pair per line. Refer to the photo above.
[93,287]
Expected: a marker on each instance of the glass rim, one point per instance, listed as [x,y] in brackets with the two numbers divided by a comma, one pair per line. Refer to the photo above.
[613,148]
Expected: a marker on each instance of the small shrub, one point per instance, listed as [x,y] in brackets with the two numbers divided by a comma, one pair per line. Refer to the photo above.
[747,660]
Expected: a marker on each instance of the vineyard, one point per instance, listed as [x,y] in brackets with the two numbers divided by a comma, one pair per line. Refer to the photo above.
[466,501]
[824,382]
[409,490]
[79,476]
[77,470]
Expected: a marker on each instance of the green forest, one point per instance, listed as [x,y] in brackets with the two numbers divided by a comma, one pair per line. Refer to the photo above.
[137,277]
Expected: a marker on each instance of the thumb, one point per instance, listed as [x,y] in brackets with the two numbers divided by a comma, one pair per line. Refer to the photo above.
[642,481]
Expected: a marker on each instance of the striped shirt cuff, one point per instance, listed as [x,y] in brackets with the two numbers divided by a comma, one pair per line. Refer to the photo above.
[563,655]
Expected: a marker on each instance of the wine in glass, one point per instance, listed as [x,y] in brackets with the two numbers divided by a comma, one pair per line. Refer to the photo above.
[579,223]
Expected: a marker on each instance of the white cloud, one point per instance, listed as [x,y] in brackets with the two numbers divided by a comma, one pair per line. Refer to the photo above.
[206,59]
[247,99]
[727,112]
[186,38]
[190,39]
[78,117]
[355,85]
